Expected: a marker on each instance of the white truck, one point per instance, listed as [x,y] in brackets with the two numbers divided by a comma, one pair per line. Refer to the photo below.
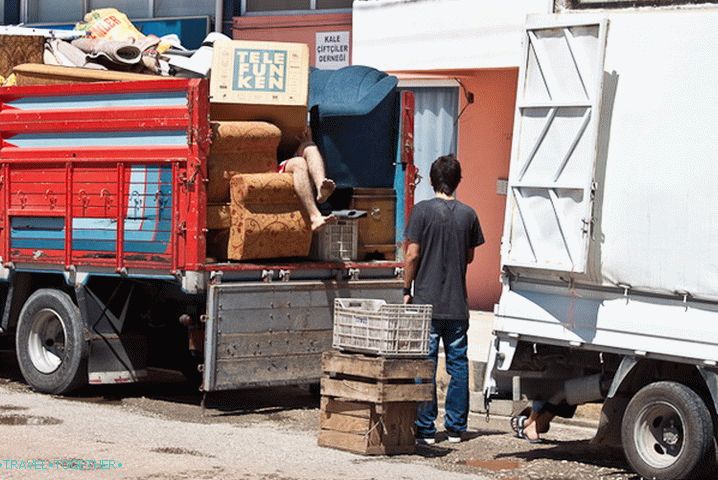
[610,243]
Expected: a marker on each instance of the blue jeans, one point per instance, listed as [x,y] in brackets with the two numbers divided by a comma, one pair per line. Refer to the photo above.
[453,334]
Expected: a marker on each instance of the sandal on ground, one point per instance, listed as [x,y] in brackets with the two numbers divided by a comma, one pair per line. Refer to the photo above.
[522,434]
[518,422]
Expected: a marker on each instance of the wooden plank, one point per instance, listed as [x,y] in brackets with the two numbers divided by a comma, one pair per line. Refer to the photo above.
[350,442]
[377,392]
[351,389]
[406,392]
[355,409]
[357,444]
[399,424]
[408,368]
[378,368]
[344,423]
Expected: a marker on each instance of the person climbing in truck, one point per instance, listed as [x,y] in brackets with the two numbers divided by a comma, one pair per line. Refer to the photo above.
[535,420]
[441,237]
[310,181]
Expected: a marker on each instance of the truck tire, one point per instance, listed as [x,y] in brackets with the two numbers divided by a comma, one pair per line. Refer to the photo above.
[50,343]
[667,431]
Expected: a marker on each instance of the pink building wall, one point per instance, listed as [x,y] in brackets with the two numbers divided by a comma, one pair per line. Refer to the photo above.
[484,149]
[291,28]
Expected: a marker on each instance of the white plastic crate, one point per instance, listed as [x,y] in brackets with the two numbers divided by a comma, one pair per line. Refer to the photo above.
[336,242]
[373,326]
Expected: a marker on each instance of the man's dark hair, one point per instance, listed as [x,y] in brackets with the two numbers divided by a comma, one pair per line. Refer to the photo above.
[445,174]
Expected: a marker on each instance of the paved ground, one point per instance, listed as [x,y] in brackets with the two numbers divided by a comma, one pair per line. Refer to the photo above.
[159,431]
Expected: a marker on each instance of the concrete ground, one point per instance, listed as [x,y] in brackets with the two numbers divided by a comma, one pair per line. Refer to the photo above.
[158,430]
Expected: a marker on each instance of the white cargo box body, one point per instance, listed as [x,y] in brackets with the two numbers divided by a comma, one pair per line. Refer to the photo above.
[655,220]
[611,232]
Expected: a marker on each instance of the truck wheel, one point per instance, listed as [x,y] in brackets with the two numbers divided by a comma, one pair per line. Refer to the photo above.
[50,343]
[666,431]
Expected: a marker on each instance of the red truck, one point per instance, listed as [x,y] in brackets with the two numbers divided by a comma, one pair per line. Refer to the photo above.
[103,266]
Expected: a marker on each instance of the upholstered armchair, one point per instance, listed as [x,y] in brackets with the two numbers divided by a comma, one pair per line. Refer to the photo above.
[266,220]
[354,117]
[252,212]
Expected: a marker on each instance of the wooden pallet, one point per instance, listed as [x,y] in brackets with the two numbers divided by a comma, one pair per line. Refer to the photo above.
[369,403]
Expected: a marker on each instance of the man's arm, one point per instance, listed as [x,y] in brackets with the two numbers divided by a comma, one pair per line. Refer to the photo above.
[411,263]
[470,255]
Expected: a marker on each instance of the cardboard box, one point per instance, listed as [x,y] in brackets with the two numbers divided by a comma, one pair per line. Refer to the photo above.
[267,81]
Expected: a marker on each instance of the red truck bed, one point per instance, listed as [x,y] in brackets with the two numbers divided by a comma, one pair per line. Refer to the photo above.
[108,177]
[104,175]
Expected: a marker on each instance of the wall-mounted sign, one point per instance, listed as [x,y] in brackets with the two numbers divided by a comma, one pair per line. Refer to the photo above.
[332,50]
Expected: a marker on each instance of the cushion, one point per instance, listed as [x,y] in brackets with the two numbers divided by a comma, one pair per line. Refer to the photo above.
[267,220]
[239,147]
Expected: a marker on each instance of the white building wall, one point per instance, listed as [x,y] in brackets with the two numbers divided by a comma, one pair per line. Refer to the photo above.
[440,34]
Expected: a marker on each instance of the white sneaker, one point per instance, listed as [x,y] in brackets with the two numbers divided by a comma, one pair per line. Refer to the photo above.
[426,441]
[453,437]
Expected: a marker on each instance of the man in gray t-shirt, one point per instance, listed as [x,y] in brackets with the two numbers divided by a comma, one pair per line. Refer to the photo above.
[441,237]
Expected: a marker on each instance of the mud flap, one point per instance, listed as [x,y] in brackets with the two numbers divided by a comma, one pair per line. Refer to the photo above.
[115,356]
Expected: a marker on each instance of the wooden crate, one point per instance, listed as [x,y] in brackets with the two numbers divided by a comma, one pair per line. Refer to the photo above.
[377,232]
[366,378]
[369,403]
[368,428]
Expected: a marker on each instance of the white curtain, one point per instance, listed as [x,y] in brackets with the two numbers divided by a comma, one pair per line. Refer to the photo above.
[434,131]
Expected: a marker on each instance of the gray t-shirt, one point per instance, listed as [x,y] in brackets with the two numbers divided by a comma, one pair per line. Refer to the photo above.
[445,231]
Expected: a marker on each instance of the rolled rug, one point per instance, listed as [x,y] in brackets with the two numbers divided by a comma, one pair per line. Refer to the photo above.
[120,53]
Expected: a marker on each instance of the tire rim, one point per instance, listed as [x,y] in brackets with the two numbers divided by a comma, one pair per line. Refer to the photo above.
[46,342]
[658,434]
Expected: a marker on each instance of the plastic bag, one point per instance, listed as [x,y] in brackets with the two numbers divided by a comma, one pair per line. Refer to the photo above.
[110,24]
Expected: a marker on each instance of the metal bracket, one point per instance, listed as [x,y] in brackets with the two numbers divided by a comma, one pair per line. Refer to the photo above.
[188,182]
[399,273]
[285,275]
[353,273]
[75,279]
[215,277]
[267,275]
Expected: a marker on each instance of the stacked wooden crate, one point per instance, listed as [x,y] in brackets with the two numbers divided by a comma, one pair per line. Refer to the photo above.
[369,403]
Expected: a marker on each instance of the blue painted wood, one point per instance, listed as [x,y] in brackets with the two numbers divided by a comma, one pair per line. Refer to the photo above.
[153,99]
[100,139]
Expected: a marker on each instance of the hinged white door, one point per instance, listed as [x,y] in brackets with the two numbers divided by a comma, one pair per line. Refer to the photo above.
[554,147]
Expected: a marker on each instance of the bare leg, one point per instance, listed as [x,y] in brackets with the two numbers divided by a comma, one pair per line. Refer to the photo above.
[315,162]
[303,187]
